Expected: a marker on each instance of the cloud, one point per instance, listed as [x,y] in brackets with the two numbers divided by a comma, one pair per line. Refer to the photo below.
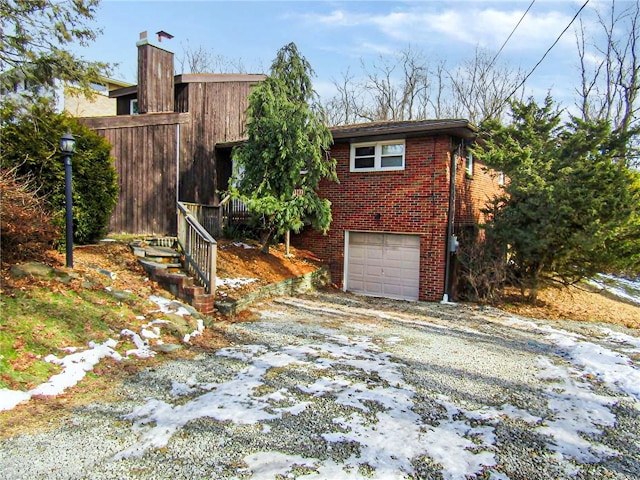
[461,23]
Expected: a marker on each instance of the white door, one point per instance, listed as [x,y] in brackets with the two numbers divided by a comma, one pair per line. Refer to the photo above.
[383,264]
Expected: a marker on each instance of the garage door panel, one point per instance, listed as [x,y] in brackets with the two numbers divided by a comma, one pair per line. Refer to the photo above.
[384,264]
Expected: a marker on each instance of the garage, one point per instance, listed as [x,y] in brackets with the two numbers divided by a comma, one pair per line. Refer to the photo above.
[383,264]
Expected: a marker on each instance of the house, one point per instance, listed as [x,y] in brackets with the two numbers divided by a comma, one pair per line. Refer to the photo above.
[171,137]
[69,98]
[406,191]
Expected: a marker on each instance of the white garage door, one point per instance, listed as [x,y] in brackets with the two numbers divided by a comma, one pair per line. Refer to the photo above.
[383,264]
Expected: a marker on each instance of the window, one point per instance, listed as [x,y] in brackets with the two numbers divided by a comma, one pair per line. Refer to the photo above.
[370,157]
[468,168]
[133,107]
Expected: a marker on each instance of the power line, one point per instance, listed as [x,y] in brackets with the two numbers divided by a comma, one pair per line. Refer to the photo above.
[543,57]
[512,32]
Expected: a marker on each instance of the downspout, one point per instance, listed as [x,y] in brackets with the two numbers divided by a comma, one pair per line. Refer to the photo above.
[450,220]
[177,162]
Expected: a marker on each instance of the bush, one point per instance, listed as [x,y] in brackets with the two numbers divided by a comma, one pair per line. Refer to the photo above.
[27,230]
[30,145]
[483,270]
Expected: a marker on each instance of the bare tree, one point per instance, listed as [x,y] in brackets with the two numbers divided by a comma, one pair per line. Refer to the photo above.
[200,60]
[391,88]
[480,88]
[408,86]
[610,69]
[344,106]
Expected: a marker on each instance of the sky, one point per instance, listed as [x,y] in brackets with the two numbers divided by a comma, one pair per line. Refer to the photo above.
[338,35]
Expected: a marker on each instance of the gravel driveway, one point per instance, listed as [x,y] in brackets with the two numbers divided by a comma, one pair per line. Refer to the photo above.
[338,386]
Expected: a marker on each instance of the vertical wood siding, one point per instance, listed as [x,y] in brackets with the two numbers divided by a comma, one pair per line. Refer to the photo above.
[155,79]
[145,159]
[144,147]
[218,115]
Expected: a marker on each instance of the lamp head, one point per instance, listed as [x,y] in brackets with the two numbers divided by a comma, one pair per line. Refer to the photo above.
[68,144]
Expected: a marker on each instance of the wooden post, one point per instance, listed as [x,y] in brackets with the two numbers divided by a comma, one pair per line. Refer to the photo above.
[213,251]
[287,239]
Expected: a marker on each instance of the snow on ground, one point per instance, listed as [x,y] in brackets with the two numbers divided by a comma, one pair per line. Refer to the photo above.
[618,286]
[374,403]
[380,412]
[81,361]
[234,282]
[74,367]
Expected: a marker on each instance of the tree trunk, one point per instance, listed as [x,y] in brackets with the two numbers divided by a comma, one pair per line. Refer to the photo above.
[267,238]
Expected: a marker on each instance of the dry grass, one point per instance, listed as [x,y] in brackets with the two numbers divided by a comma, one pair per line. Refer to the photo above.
[579,303]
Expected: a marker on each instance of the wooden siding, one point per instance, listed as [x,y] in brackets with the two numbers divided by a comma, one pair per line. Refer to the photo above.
[146,162]
[145,150]
[218,115]
[155,79]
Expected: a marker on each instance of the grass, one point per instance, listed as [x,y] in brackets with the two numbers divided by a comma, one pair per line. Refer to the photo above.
[40,321]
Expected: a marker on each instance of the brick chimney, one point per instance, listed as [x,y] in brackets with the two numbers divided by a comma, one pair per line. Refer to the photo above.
[155,77]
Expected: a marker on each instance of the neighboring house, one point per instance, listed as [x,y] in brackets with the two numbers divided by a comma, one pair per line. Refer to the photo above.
[172,139]
[69,98]
[396,212]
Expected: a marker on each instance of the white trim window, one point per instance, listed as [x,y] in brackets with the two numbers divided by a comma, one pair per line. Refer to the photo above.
[468,167]
[377,156]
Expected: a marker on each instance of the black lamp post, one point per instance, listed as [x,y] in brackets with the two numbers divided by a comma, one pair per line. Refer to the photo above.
[68,146]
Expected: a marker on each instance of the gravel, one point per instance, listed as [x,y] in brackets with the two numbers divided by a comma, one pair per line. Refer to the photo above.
[342,386]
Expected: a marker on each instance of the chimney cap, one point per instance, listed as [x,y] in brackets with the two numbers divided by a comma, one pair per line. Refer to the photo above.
[162,34]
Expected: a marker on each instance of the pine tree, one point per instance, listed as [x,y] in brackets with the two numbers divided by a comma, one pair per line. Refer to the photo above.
[30,146]
[287,151]
[570,208]
[35,40]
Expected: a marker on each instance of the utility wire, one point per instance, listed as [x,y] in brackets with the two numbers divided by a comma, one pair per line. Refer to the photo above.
[511,34]
[541,59]
[484,71]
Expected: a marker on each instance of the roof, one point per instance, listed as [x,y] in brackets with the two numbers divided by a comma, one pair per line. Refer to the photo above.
[113,81]
[375,130]
[197,78]
[407,128]
[218,77]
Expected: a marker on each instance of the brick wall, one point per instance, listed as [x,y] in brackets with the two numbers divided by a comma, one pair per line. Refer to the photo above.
[474,192]
[414,200]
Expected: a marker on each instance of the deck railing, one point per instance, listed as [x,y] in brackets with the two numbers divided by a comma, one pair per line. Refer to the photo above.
[207,215]
[199,247]
[214,218]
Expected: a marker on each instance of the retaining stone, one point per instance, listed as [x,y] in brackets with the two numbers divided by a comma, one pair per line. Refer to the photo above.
[291,286]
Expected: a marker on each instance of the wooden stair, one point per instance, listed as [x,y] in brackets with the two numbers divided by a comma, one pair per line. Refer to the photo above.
[164,264]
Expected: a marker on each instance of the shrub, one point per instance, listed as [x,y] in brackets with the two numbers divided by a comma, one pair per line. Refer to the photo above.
[482,269]
[27,230]
[30,145]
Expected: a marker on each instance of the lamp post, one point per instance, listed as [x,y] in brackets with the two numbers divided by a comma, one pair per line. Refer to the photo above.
[67,147]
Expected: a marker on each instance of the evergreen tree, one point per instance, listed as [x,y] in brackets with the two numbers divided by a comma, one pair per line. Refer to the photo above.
[570,207]
[30,146]
[287,151]
[35,37]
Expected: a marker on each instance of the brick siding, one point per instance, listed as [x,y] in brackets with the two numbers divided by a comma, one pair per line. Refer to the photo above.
[413,200]
[473,193]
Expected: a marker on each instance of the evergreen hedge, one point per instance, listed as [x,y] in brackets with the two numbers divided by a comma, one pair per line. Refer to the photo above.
[30,145]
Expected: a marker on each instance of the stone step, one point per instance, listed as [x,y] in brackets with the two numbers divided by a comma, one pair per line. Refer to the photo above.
[149,262]
[161,252]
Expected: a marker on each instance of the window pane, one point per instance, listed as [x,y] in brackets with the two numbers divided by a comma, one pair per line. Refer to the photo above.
[394,161]
[364,162]
[366,151]
[396,149]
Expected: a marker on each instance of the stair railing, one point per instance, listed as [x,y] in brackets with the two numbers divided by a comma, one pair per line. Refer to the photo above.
[199,248]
